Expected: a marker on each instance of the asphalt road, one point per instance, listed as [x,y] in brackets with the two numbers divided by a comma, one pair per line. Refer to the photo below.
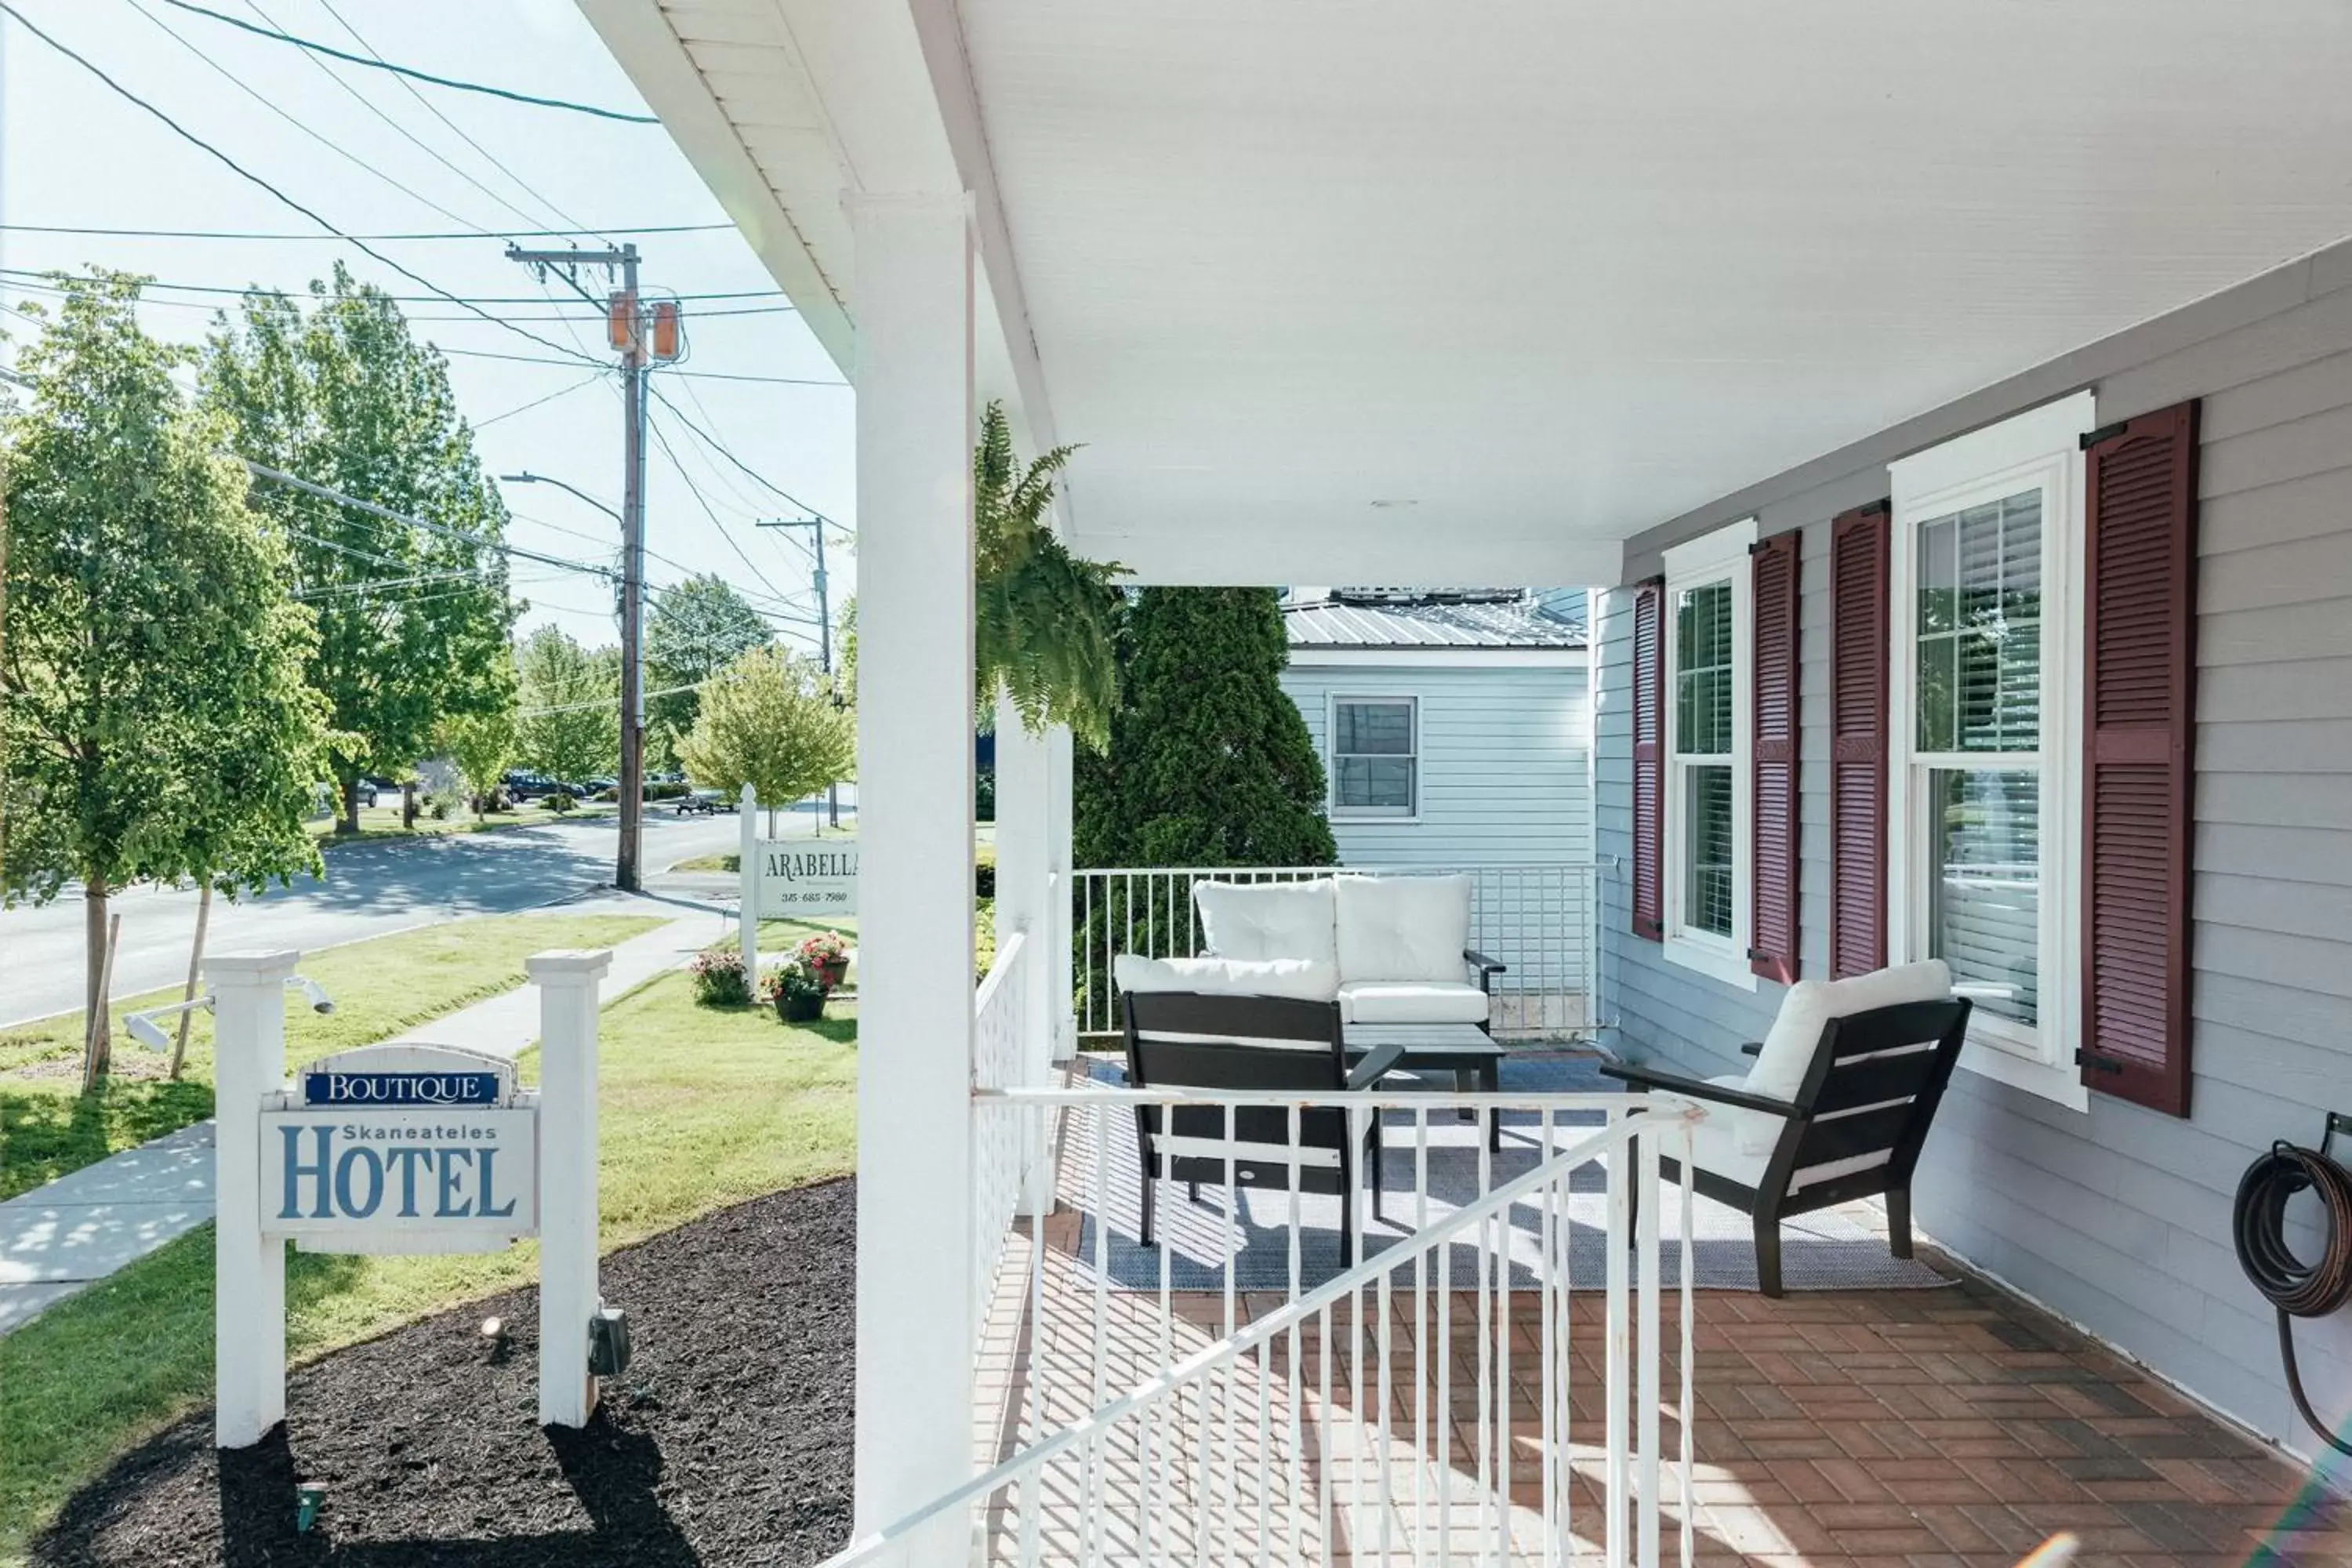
[369,888]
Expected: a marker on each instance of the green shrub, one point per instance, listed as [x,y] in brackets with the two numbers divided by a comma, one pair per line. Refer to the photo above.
[718,978]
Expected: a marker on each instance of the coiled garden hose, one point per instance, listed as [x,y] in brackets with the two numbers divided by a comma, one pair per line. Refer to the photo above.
[2294,1288]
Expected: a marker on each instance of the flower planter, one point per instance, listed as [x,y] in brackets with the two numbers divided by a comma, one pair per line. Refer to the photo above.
[795,1009]
[831,973]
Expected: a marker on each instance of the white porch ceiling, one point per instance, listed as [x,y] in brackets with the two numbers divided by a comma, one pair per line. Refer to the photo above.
[1470,284]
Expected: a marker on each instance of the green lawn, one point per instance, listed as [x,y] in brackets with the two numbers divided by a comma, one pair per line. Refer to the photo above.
[697,1108]
[381,987]
[383,822]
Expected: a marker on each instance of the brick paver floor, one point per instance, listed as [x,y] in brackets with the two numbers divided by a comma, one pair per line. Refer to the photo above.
[1867,1429]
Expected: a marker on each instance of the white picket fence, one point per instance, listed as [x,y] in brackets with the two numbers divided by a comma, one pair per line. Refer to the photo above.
[1540,920]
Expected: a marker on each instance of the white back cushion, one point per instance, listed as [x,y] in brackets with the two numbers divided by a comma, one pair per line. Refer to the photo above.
[1780,1069]
[1257,921]
[1307,979]
[1402,927]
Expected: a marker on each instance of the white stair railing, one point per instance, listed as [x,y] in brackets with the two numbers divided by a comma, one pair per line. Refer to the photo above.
[1003,1055]
[1383,1412]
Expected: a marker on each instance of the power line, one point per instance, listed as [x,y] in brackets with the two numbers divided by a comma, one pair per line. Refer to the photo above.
[478,541]
[720,448]
[252,289]
[450,82]
[285,237]
[364,101]
[694,374]
[7,7]
[691,489]
[328,142]
[52,290]
[549,397]
[433,109]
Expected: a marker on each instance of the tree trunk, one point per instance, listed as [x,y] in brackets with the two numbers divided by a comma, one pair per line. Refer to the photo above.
[102,934]
[196,968]
[350,822]
[408,806]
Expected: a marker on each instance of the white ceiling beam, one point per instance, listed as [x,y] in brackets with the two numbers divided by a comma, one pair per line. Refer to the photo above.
[1274,557]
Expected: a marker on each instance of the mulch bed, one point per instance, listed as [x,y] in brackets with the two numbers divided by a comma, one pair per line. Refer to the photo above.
[727,1441]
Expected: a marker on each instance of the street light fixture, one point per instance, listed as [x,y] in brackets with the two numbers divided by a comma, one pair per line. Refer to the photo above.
[528,478]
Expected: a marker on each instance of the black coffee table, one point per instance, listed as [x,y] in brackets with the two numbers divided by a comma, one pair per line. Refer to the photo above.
[1466,1050]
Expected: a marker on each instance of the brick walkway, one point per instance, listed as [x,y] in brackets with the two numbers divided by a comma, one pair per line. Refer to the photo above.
[1939,1429]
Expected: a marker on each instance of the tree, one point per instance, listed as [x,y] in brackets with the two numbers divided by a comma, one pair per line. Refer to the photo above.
[569,726]
[845,650]
[1209,761]
[770,721]
[1044,632]
[412,622]
[155,723]
[483,746]
[698,628]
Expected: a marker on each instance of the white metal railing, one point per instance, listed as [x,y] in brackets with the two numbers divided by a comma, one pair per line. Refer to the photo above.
[1002,1152]
[1378,1413]
[1541,920]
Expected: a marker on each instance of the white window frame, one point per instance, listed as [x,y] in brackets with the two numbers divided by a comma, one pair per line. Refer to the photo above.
[1719,557]
[2040,449]
[1369,816]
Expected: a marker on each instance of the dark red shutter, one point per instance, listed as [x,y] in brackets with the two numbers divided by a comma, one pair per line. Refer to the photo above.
[2138,757]
[1649,755]
[1772,925]
[1858,620]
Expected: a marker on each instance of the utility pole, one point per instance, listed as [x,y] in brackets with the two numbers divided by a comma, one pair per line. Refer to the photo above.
[627,330]
[815,525]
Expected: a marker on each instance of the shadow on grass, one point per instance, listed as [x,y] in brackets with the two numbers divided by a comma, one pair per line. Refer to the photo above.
[47,1133]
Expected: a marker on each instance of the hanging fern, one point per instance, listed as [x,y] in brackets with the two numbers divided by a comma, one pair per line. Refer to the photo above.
[1044,615]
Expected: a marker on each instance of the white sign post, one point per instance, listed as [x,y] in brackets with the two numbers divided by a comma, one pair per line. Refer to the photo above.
[394,1149]
[747,863]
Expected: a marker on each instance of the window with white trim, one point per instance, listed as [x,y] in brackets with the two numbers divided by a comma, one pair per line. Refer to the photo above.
[1375,760]
[1704,877]
[1983,818]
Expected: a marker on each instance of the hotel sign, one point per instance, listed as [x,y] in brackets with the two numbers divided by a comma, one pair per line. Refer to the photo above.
[402,1149]
[805,877]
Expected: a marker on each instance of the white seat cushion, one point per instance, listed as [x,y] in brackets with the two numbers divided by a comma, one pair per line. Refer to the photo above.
[1257,922]
[1411,1002]
[1402,927]
[1308,980]
[1719,1144]
[1780,1068]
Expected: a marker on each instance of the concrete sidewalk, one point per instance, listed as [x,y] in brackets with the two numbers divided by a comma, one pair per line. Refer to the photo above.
[58,1238]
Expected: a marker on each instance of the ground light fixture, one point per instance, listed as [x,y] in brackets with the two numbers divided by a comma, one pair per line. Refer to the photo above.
[144,1029]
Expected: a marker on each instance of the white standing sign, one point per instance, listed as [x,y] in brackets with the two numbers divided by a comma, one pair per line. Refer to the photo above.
[807,878]
[399,1148]
[404,1149]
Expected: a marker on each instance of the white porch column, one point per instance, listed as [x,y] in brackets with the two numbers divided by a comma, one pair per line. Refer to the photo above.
[1055,971]
[915,430]
[248,1273]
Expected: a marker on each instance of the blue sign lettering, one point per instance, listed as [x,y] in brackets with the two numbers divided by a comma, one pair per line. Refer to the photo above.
[400,1088]
[338,1172]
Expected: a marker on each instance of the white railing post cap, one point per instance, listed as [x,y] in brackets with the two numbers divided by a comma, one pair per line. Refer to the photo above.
[568,965]
[269,964]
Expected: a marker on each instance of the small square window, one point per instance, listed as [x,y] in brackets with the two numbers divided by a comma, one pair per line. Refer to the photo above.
[1374,768]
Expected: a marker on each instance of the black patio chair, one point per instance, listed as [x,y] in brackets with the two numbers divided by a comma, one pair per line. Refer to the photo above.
[1869,1095]
[1188,1040]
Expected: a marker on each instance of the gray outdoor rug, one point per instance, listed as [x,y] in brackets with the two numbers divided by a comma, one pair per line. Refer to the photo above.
[1833,1249]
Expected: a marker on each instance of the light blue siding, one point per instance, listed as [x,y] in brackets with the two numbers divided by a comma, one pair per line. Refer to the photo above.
[1504,763]
[2118,1217]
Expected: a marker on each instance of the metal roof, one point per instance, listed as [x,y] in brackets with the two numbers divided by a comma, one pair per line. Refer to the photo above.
[1477,620]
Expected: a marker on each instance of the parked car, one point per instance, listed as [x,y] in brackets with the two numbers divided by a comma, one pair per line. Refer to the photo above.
[523,784]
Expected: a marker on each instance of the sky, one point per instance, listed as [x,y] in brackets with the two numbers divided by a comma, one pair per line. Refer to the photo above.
[364,151]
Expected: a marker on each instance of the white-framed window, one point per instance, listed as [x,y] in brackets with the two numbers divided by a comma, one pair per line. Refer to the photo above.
[1983,811]
[1375,760]
[1710,608]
